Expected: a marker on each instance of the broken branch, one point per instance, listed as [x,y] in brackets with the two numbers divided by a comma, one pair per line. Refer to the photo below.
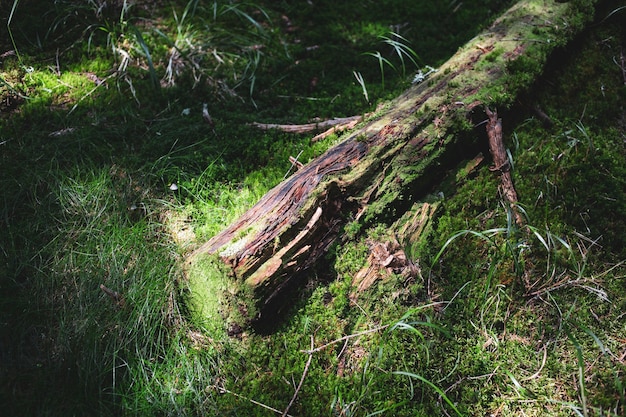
[501,162]
[335,123]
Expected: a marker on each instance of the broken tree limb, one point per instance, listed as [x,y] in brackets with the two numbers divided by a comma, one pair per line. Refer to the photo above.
[385,166]
[337,128]
[501,163]
[310,127]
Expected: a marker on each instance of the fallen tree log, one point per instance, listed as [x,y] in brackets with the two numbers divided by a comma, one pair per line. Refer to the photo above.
[385,165]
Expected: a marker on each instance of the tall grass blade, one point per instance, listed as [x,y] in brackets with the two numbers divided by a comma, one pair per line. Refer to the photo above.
[240,13]
[361,81]
[153,77]
[405,324]
[618,380]
[381,64]
[525,392]
[432,386]
[401,49]
[619,9]
[581,369]
[190,9]
[13,8]
[485,235]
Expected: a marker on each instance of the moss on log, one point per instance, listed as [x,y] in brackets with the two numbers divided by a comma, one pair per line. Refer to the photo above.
[386,164]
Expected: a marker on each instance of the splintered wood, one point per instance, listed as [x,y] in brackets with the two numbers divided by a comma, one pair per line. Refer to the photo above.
[385,258]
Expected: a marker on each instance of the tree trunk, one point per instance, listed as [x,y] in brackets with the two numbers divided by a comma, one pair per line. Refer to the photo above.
[389,161]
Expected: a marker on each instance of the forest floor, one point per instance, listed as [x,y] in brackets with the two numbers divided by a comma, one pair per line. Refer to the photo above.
[126,141]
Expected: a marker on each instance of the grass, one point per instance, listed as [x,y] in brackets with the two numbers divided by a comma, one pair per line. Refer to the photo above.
[399,45]
[498,321]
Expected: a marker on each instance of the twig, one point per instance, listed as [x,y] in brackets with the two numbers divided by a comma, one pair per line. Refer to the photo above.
[267,407]
[350,336]
[566,282]
[113,295]
[306,369]
[543,116]
[294,163]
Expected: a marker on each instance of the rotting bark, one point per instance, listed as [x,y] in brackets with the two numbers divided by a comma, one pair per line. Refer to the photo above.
[391,160]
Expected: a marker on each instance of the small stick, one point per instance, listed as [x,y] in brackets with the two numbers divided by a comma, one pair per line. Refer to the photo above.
[267,407]
[294,163]
[337,128]
[306,369]
[114,295]
[545,119]
[350,336]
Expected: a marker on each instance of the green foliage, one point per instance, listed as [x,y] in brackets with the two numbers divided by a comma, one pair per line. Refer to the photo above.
[401,49]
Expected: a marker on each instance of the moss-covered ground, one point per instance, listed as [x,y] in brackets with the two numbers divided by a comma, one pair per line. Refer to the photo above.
[111,175]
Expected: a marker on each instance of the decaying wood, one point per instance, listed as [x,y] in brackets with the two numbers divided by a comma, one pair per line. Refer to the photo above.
[389,257]
[501,163]
[390,161]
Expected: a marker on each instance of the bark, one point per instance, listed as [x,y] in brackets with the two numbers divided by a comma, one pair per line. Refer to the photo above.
[391,159]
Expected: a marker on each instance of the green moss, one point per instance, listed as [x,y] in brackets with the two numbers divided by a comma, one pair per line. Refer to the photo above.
[211,294]
[351,258]
[495,54]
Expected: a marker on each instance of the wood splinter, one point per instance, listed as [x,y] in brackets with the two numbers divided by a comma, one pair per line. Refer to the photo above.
[501,163]
[295,162]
